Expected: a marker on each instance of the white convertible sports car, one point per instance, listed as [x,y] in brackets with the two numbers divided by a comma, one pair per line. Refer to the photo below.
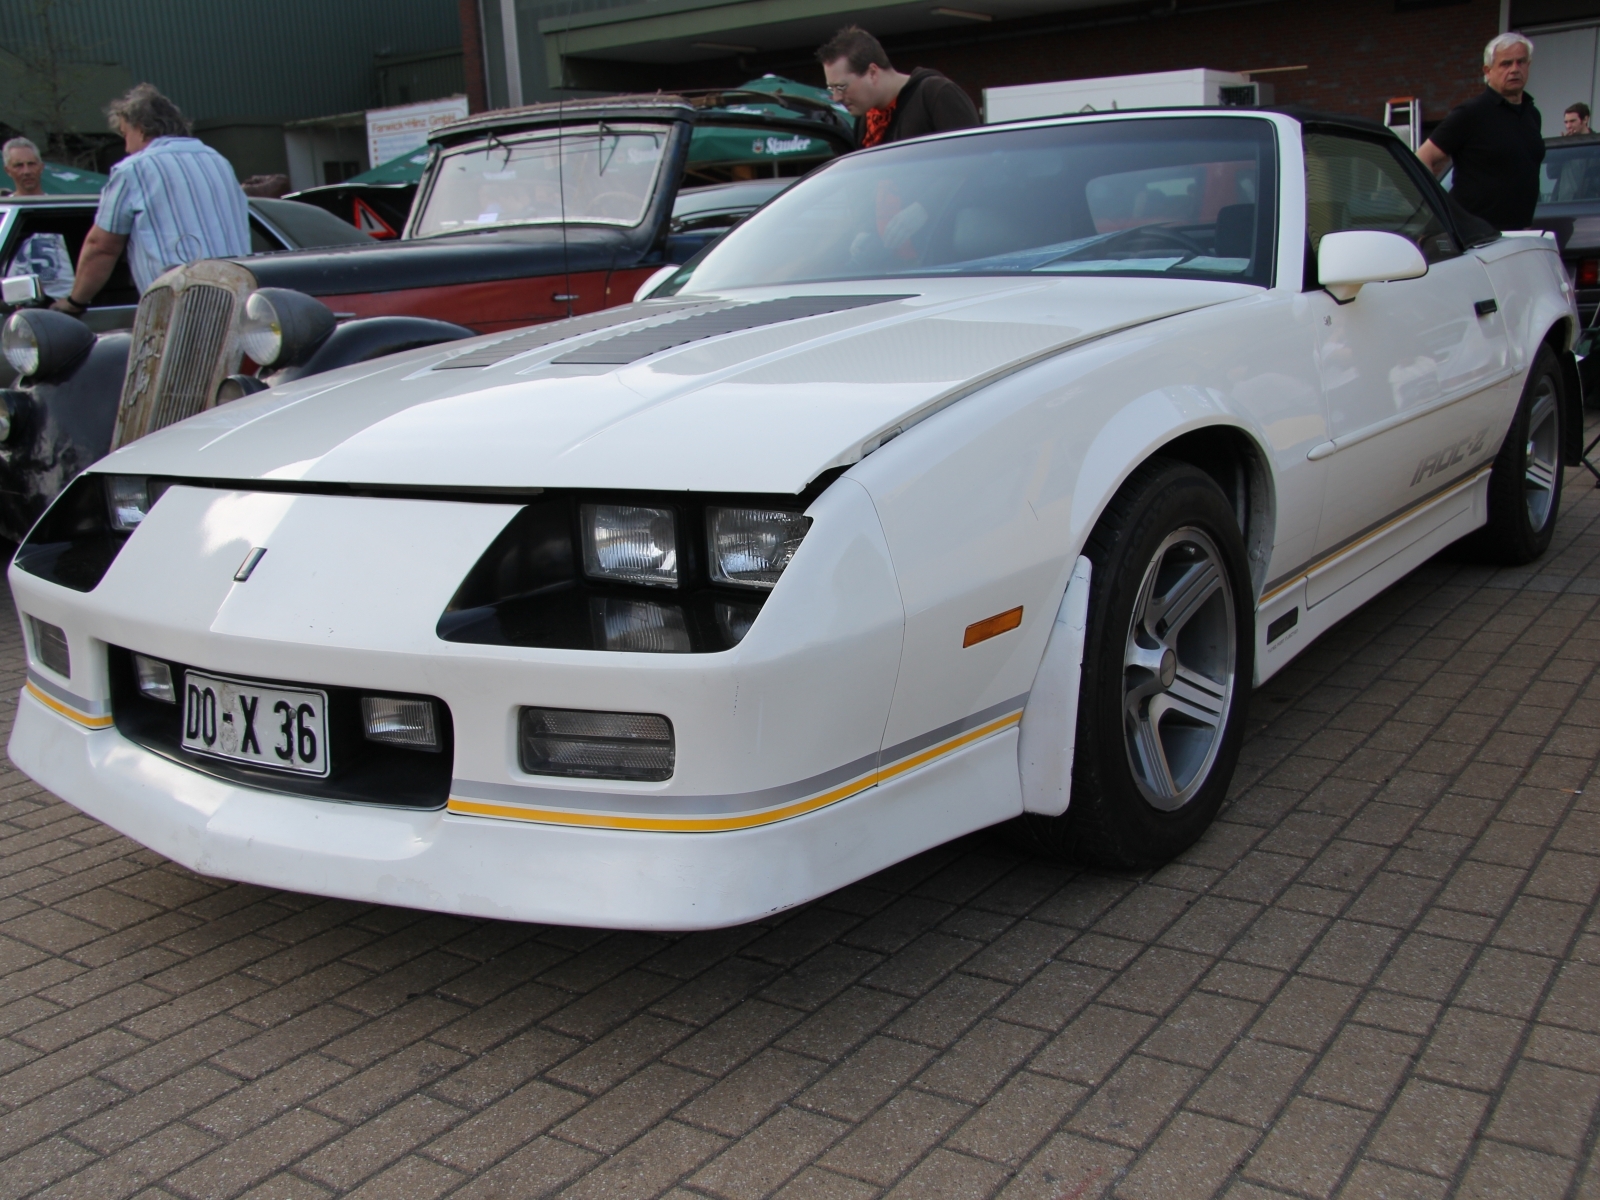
[973,478]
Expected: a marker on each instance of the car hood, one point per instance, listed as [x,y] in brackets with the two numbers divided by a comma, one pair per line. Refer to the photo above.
[763,409]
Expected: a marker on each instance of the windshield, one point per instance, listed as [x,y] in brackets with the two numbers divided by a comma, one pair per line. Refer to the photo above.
[1189,197]
[1570,173]
[597,175]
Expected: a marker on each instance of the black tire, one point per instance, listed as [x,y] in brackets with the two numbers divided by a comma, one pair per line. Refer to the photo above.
[1525,485]
[1168,535]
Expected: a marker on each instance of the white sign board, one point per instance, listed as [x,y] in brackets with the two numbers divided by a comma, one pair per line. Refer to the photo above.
[1159,89]
[393,131]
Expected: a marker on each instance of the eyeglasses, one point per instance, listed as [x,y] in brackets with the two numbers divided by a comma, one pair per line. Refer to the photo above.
[838,89]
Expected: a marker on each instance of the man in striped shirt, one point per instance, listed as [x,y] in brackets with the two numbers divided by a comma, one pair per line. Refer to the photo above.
[171,201]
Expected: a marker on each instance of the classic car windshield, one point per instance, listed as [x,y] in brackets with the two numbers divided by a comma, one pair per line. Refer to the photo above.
[598,175]
[1570,173]
[1184,196]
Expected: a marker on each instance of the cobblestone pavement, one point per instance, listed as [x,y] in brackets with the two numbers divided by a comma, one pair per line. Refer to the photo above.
[1378,975]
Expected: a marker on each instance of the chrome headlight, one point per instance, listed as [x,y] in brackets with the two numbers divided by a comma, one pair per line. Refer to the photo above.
[750,547]
[630,543]
[42,343]
[127,500]
[281,327]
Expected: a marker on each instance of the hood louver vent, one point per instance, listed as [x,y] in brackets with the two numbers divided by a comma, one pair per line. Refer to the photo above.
[555,331]
[641,343]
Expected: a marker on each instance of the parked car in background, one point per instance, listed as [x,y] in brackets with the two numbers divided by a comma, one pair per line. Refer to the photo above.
[974,478]
[50,229]
[51,427]
[378,201]
[1569,207]
[523,216]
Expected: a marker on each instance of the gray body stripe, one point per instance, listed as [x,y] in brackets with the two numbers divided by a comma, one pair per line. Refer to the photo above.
[93,708]
[737,802]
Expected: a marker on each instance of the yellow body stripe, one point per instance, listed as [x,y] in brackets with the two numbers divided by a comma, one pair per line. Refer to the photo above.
[517,812]
[66,710]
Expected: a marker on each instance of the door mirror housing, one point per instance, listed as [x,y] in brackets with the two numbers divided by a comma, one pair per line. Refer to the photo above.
[1352,258]
[17,290]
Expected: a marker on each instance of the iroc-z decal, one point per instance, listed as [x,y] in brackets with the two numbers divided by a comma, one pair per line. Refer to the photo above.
[1443,460]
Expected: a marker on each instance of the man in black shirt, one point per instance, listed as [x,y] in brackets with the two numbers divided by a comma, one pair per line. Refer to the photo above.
[890,106]
[1494,142]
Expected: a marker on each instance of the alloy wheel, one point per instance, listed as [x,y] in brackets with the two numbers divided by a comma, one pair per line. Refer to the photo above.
[1178,669]
[1542,456]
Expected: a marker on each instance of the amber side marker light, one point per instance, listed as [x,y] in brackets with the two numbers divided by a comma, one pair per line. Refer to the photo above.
[982,631]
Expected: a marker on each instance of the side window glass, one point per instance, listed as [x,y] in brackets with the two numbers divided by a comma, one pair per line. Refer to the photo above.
[261,242]
[1356,184]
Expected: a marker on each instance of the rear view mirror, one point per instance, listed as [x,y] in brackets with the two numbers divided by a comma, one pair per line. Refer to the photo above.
[21,289]
[1354,257]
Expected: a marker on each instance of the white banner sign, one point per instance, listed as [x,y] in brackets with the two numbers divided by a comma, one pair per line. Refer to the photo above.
[393,131]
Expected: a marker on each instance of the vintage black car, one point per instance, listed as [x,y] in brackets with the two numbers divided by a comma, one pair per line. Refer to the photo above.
[523,216]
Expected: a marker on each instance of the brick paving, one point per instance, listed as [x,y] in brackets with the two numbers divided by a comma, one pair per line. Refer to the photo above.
[1377,976]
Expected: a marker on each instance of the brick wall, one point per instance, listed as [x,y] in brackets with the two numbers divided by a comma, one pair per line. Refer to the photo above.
[1358,53]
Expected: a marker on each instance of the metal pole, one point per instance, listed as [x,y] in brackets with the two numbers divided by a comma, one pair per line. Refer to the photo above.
[508,31]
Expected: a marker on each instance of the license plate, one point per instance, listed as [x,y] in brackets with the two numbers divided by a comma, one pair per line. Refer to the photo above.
[284,729]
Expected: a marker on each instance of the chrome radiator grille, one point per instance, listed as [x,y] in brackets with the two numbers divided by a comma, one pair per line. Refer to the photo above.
[195,341]
[184,344]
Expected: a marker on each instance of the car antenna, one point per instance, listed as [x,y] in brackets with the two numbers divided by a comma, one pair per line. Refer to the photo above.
[561,164]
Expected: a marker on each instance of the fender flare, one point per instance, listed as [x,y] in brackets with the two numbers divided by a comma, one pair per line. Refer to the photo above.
[1048,737]
[359,341]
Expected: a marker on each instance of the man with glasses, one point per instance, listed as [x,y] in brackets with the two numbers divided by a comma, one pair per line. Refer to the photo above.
[888,105]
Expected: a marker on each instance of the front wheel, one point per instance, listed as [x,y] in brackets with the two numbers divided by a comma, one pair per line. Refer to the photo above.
[1166,672]
[1525,485]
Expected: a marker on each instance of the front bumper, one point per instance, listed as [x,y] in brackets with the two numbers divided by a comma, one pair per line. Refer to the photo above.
[782,788]
[512,870]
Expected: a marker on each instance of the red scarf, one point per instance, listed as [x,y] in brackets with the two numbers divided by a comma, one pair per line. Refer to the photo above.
[877,124]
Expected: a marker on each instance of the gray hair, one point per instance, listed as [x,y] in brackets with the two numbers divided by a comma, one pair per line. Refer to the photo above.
[18,143]
[1502,41]
[147,110]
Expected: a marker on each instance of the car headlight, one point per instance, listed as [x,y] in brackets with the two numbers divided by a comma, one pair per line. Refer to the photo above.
[237,387]
[630,543]
[41,343]
[281,327]
[750,547]
[129,499]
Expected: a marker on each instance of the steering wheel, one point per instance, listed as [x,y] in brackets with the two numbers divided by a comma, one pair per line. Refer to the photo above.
[1163,233]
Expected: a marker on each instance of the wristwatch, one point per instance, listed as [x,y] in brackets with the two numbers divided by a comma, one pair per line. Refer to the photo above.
[80,308]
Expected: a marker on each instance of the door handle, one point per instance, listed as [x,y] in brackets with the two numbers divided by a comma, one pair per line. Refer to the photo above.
[1484,307]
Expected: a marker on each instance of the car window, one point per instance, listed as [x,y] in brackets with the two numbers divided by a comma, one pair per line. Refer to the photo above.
[1352,183]
[1185,197]
[602,175]
[1570,173]
[46,241]
[306,225]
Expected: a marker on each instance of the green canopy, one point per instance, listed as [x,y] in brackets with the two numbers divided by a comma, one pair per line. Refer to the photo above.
[734,144]
[779,86]
[731,144]
[407,168]
[67,181]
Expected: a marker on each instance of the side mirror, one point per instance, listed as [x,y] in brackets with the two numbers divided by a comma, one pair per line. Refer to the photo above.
[1348,260]
[16,290]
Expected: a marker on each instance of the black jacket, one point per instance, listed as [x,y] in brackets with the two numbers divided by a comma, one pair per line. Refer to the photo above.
[929,103]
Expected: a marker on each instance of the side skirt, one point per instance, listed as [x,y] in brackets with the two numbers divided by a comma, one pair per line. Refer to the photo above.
[1290,617]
